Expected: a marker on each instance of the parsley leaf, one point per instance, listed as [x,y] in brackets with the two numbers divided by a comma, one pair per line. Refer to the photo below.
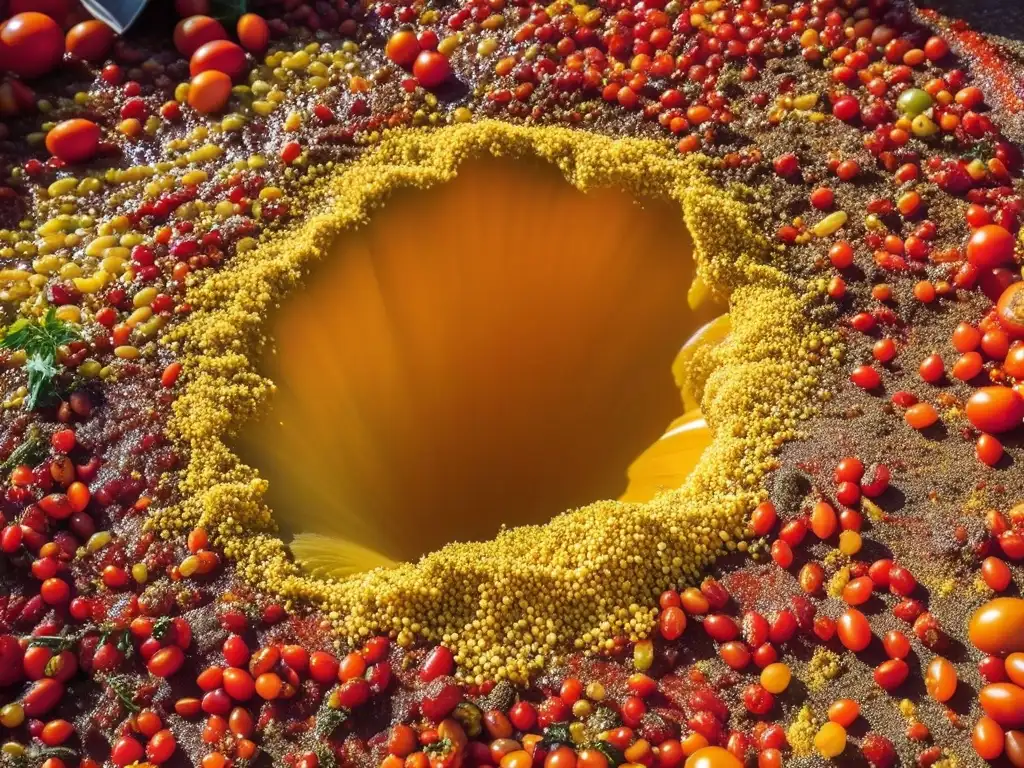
[40,342]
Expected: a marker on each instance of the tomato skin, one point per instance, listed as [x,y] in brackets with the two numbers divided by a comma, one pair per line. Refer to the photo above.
[209,91]
[1010,309]
[89,40]
[31,44]
[194,32]
[222,55]
[990,246]
[995,409]
[73,141]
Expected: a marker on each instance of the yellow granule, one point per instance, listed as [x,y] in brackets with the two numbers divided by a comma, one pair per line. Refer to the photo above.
[824,666]
[508,606]
[800,733]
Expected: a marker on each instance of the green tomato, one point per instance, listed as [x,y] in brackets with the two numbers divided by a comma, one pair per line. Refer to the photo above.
[913,101]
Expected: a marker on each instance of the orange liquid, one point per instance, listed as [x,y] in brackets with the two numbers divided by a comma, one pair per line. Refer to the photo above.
[487,352]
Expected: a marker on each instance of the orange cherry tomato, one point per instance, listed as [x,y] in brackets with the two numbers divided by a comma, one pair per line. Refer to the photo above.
[221,55]
[997,627]
[940,679]
[89,40]
[209,91]
[995,409]
[1015,668]
[987,738]
[403,48]
[31,44]
[73,141]
[196,31]
[253,32]
[1010,308]
[1004,703]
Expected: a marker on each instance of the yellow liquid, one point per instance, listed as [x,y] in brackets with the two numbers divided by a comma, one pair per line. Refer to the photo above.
[487,352]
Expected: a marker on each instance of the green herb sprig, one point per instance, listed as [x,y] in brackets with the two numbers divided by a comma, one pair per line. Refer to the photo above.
[40,341]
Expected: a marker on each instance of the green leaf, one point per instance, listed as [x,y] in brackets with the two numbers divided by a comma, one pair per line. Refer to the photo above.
[40,341]
[41,373]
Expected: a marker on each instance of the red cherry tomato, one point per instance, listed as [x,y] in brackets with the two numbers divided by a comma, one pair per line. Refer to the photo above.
[431,69]
[221,55]
[990,246]
[194,32]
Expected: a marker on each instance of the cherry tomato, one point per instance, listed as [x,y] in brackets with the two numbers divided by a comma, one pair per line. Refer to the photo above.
[995,409]
[1010,309]
[853,630]
[194,32]
[209,91]
[166,661]
[940,679]
[89,40]
[990,246]
[891,674]
[73,141]
[987,738]
[221,55]
[431,69]
[1004,703]
[403,48]
[253,32]
[31,44]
